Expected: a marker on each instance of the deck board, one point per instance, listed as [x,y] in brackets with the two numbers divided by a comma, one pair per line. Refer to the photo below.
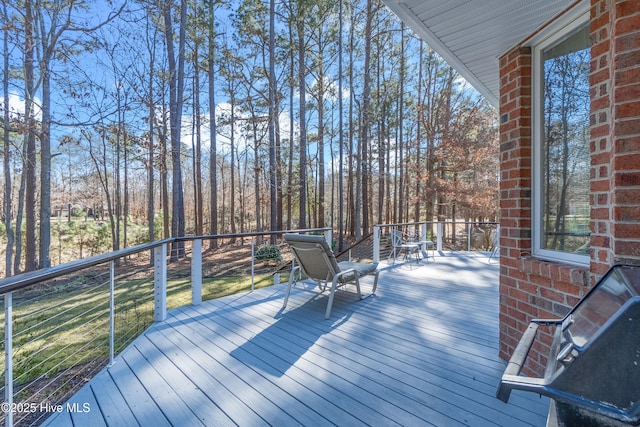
[200,368]
[292,388]
[422,351]
[133,392]
[113,406]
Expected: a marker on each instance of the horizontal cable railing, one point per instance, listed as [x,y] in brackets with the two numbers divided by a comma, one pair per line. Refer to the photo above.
[449,235]
[63,324]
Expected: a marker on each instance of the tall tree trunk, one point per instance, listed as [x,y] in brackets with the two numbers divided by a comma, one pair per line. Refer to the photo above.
[381,141]
[150,159]
[6,143]
[256,171]
[366,105]
[273,117]
[389,212]
[351,200]
[197,182]
[321,171]
[45,167]
[302,74]
[232,192]
[49,31]
[125,189]
[291,130]
[340,137]
[164,174]
[31,189]
[279,175]
[20,215]
[103,172]
[213,158]
[118,181]
[176,96]
[419,121]
[401,144]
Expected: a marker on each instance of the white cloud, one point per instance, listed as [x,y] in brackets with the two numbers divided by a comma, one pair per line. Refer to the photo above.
[16,107]
[223,111]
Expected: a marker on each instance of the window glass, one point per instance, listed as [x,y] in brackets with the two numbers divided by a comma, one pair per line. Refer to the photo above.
[565,145]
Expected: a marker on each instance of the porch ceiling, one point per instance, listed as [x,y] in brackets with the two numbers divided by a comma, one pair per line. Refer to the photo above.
[471,34]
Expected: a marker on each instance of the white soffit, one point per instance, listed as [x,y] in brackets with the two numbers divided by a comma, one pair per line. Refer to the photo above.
[472,34]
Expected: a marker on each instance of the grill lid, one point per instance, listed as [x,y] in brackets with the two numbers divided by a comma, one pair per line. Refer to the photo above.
[594,363]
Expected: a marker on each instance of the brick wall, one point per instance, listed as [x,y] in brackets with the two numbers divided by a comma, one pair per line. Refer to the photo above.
[529,288]
[615,134]
[533,288]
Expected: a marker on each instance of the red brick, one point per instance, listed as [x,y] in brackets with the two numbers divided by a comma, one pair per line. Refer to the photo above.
[626,24]
[628,93]
[630,179]
[627,60]
[599,22]
[627,8]
[551,295]
[627,42]
[529,310]
[628,197]
[625,230]
[626,213]
[598,49]
[602,130]
[626,77]
[628,110]
[567,288]
[627,248]
[627,162]
[627,145]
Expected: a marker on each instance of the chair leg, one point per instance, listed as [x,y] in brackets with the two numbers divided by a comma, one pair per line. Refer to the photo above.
[334,285]
[375,283]
[357,283]
[290,285]
[392,256]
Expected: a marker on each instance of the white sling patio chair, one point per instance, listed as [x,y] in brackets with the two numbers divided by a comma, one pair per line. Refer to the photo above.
[495,250]
[399,246]
[316,260]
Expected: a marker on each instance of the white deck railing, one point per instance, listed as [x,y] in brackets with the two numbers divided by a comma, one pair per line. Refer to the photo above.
[31,402]
[21,320]
[433,231]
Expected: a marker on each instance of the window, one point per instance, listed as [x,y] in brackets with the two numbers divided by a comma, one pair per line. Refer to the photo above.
[561,212]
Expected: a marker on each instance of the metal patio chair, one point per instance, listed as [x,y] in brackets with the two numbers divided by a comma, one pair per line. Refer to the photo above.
[425,246]
[316,260]
[399,246]
[495,249]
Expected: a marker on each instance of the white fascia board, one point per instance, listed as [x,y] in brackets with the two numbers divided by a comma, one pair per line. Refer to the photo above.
[403,12]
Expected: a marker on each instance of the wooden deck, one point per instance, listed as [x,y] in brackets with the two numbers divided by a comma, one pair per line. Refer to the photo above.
[423,351]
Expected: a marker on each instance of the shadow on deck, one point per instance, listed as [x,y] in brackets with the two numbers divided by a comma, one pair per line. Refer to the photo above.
[423,351]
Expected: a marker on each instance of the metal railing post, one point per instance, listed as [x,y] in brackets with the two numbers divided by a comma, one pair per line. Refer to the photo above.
[112,310]
[160,283]
[196,272]
[468,236]
[328,236]
[376,243]
[8,357]
[439,240]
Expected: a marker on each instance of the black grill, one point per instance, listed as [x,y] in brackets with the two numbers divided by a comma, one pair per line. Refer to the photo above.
[593,372]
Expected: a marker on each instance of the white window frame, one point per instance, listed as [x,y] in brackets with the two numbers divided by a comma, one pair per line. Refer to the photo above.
[559,29]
